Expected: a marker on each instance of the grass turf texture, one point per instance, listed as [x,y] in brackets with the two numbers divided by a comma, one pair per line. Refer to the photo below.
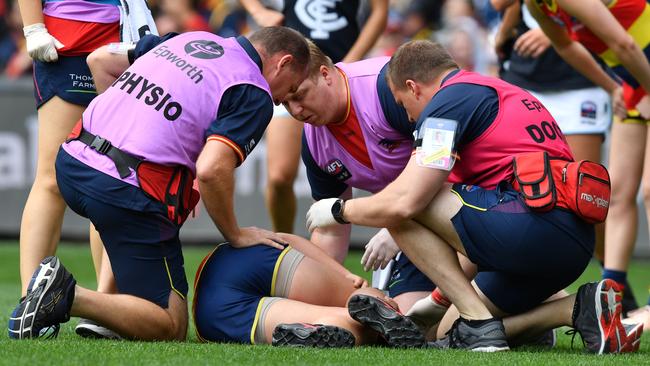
[69,349]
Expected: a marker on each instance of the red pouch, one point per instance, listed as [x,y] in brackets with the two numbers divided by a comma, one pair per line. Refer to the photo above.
[584,188]
[534,180]
[171,186]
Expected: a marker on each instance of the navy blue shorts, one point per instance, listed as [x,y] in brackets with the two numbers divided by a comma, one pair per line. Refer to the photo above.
[405,277]
[523,257]
[229,288]
[142,244]
[68,78]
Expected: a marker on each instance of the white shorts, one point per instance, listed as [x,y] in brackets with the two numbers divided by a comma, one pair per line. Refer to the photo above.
[577,112]
[280,111]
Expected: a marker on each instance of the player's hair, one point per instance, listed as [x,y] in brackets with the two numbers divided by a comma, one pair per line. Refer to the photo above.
[420,61]
[283,40]
[317,59]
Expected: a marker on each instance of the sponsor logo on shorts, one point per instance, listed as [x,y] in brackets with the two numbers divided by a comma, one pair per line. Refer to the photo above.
[81,83]
[588,109]
[336,169]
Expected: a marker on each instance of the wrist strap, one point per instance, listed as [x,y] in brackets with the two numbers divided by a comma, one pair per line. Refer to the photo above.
[337,211]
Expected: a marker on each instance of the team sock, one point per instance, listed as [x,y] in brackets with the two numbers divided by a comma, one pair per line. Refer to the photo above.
[439,298]
[618,276]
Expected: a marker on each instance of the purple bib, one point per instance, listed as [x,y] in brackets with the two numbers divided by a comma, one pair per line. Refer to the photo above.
[160,108]
[388,149]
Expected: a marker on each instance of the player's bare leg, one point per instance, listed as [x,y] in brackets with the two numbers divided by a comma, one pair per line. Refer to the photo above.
[39,232]
[133,317]
[587,147]
[628,159]
[283,142]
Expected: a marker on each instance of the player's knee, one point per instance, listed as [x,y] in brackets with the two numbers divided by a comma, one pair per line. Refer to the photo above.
[645,191]
[281,180]
[47,183]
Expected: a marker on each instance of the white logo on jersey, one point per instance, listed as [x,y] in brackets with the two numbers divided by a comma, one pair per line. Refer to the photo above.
[315,15]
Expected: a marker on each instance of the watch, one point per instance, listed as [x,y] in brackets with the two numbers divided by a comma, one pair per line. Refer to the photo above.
[337,211]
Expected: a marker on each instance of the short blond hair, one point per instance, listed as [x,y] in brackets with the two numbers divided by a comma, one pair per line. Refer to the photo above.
[317,58]
[420,61]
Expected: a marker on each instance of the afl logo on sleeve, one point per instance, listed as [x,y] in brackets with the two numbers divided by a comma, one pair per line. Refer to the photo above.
[204,49]
[336,169]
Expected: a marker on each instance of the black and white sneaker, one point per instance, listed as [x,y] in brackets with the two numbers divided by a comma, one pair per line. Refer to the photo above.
[597,317]
[87,328]
[488,336]
[395,328]
[48,303]
[312,335]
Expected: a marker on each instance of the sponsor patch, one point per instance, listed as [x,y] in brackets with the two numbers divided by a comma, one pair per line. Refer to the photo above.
[588,109]
[336,169]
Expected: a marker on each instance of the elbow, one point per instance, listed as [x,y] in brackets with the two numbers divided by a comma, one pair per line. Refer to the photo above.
[405,209]
[208,173]
[95,58]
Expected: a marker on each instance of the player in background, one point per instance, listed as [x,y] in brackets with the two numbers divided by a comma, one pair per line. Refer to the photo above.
[295,296]
[618,32]
[336,29]
[181,110]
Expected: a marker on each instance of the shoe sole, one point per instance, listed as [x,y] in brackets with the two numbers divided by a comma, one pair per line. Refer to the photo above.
[322,336]
[633,339]
[398,330]
[48,269]
[612,331]
[92,331]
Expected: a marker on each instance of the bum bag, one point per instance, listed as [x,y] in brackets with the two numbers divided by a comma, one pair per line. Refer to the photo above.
[171,185]
[582,187]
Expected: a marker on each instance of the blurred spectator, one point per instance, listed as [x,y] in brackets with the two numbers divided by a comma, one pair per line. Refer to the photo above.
[14,60]
[181,16]
[465,38]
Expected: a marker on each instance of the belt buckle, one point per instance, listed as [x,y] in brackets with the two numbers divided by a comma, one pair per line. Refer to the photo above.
[101,145]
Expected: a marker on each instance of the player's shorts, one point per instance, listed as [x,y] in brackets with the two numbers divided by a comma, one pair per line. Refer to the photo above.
[632,97]
[523,257]
[234,288]
[405,277]
[142,244]
[579,112]
[68,78]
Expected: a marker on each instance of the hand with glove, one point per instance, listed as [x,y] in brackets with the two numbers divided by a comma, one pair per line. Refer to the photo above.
[41,45]
[379,251]
[326,212]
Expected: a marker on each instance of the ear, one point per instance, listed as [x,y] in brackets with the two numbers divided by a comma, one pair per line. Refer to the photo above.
[413,88]
[326,74]
[285,61]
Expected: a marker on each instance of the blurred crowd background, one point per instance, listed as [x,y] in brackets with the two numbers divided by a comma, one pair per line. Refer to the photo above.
[465,27]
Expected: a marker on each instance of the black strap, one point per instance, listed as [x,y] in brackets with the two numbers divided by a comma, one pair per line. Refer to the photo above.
[123,160]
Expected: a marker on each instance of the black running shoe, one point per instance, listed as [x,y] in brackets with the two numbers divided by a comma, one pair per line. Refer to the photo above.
[312,335]
[597,316]
[490,336]
[87,328]
[47,304]
[396,329]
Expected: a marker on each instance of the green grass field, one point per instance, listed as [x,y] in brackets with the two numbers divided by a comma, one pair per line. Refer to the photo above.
[69,349]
